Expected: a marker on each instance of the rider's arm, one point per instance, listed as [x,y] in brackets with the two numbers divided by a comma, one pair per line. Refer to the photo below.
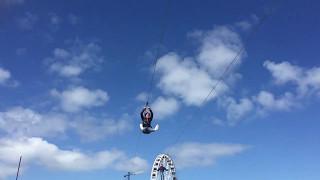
[141,114]
[151,113]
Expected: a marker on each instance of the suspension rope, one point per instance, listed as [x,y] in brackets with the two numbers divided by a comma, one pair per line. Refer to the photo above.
[154,64]
[157,53]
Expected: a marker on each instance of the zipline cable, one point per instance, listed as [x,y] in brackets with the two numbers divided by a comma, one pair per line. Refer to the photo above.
[17,175]
[157,53]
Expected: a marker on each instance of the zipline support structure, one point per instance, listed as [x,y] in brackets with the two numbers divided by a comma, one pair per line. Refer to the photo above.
[129,174]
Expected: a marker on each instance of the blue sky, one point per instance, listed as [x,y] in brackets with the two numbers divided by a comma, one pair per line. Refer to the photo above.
[75,74]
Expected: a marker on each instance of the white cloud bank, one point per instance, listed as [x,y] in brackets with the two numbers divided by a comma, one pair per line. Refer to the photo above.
[36,151]
[194,154]
[78,98]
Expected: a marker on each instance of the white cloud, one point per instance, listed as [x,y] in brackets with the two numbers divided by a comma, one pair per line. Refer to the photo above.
[248,24]
[244,25]
[164,107]
[219,48]
[191,79]
[7,170]
[236,111]
[4,76]
[306,80]
[312,79]
[19,122]
[36,151]
[184,79]
[283,72]
[77,98]
[269,102]
[76,60]
[261,104]
[200,154]
[28,21]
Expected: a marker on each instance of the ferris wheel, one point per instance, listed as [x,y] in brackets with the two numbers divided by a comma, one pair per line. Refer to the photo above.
[163,168]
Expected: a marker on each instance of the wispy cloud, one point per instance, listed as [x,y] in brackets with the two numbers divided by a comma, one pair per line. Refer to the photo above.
[75,60]
[193,154]
[5,75]
[235,110]
[249,23]
[6,78]
[306,80]
[78,98]
[268,101]
[218,49]
[28,21]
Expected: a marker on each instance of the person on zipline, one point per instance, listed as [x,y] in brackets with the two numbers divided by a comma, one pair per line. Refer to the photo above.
[146,116]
